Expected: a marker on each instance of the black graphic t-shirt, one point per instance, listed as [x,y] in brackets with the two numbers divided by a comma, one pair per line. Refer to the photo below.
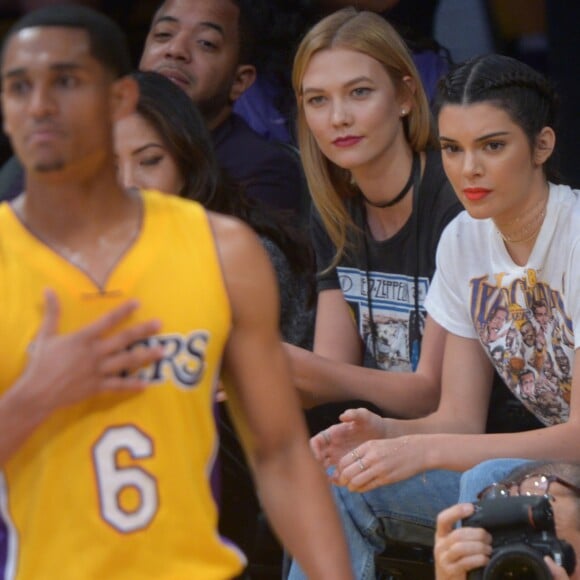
[383,275]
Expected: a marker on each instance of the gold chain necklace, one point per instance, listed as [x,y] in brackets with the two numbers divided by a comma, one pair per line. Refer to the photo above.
[529,230]
[115,243]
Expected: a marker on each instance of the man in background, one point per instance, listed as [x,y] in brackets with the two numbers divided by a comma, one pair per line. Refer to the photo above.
[206,47]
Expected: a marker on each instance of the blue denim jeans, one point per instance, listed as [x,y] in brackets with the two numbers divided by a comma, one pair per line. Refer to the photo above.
[405,511]
[491,471]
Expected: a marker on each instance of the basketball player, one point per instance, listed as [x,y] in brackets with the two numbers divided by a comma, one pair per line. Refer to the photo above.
[119,310]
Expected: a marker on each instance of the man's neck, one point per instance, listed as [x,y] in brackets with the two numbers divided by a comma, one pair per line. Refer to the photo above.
[217,119]
[60,203]
[90,223]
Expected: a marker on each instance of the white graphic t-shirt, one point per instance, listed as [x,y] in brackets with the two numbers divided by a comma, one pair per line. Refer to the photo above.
[524,316]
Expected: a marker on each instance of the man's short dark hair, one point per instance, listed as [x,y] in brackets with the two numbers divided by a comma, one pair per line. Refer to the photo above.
[251,23]
[108,43]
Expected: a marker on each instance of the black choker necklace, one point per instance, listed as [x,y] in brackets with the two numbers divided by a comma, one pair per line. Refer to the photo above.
[414,169]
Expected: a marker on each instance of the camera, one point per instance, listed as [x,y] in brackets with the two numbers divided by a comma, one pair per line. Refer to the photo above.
[523,532]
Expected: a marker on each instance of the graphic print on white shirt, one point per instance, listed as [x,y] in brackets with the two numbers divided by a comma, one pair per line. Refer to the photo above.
[525,316]
[529,338]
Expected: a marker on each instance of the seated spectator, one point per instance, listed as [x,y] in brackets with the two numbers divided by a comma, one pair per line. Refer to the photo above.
[382,201]
[206,47]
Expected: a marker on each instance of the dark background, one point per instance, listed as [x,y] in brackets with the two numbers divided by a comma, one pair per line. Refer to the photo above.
[543,33]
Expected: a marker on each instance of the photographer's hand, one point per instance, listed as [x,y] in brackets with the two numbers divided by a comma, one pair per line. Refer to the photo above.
[459,550]
[558,573]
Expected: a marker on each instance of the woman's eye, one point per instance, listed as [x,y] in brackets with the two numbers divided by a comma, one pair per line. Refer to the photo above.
[361,91]
[150,161]
[449,148]
[494,145]
[316,100]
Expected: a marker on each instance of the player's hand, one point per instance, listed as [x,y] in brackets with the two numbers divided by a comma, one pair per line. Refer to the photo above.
[68,368]
[356,427]
[459,550]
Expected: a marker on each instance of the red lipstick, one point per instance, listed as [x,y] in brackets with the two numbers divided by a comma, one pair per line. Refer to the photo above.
[476,193]
[347,141]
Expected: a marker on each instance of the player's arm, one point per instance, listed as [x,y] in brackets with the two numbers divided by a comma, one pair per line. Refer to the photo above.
[64,369]
[322,379]
[291,485]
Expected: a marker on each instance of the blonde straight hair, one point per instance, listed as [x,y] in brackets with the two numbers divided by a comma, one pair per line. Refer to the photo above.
[370,34]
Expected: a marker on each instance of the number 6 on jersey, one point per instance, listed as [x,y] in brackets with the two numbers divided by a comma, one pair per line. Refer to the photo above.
[114,480]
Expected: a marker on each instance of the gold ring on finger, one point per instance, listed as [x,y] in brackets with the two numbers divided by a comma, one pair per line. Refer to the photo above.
[355,453]
[361,464]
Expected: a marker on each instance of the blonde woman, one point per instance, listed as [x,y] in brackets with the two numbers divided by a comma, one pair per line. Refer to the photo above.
[381,202]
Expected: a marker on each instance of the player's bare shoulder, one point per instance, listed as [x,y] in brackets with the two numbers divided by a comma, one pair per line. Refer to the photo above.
[244,261]
[225,227]
[233,237]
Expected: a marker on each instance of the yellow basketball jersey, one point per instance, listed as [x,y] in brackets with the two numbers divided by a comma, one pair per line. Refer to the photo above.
[118,486]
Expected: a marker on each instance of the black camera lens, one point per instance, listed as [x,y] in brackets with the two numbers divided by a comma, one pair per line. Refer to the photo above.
[519,563]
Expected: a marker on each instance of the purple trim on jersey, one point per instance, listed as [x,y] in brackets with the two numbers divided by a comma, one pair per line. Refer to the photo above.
[215,483]
[215,480]
[3,548]
[236,548]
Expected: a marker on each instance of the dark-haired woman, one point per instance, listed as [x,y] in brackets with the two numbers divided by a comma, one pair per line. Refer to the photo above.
[165,145]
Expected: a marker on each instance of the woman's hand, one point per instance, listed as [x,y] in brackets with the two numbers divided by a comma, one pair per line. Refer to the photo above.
[356,427]
[459,550]
[381,462]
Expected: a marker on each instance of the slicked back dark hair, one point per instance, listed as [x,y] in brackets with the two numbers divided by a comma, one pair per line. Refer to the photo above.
[509,84]
[108,43]
[251,24]
[178,122]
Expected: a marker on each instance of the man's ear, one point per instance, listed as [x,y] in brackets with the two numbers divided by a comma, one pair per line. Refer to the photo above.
[244,78]
[545,144]
[124,97]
